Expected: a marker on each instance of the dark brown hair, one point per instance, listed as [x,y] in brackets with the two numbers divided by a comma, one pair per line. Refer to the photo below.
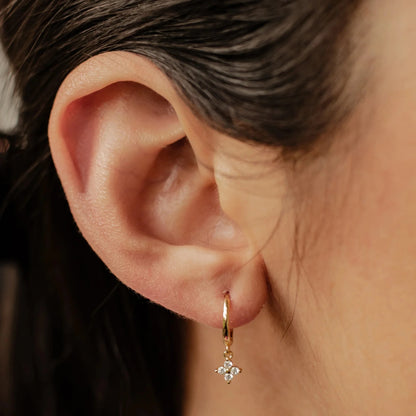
[266,71]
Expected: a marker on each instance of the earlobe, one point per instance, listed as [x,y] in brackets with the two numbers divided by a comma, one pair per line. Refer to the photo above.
[118,136]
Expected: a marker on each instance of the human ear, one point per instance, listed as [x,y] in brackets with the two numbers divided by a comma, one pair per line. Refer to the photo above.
[128,161]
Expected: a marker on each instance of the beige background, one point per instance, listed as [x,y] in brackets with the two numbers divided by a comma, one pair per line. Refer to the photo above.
[7,103]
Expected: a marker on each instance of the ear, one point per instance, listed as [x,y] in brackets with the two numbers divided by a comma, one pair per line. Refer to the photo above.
[124,147]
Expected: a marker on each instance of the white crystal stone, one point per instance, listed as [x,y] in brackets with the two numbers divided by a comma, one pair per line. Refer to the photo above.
[234,371]
[228,377]
[221,370]
[228,364]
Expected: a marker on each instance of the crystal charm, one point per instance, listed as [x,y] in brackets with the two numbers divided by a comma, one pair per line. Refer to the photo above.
[229,371]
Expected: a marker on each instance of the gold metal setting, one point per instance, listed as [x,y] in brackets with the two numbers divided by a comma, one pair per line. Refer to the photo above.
[228,370]
[227,331]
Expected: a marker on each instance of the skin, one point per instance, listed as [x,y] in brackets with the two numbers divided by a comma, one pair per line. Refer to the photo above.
[350,347]
[319,257]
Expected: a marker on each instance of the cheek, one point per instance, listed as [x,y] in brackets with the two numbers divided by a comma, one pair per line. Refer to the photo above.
[377,220]
[360,214]
[357,298]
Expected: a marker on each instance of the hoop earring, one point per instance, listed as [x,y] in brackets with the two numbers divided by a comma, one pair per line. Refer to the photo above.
[228,370]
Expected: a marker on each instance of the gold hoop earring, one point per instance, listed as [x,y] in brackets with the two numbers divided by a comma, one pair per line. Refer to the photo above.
[228,370]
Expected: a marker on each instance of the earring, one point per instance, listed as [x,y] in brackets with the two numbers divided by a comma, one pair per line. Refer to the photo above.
[229,371]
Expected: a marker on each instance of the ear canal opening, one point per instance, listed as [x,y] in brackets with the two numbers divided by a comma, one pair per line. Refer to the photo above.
[175,155]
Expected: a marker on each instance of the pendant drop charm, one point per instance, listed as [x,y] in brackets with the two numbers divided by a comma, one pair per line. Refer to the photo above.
[228,370]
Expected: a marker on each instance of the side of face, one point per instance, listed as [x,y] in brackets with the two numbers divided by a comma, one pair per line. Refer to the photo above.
[182,213]
[355,206]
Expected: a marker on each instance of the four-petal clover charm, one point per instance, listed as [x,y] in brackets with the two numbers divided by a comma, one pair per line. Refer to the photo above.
[228,370]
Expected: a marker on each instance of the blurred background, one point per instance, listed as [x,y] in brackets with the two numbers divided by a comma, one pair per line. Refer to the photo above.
[7,103]
[9,236]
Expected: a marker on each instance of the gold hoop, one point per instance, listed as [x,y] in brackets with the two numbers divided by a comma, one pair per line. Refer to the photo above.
[228,370]
[227,331]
